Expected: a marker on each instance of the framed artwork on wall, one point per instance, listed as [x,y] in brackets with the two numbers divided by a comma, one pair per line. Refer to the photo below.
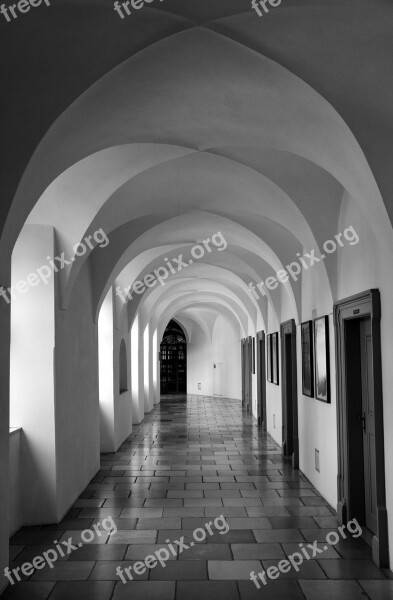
[269,358]
[307,359]
[275,359]
[321,359]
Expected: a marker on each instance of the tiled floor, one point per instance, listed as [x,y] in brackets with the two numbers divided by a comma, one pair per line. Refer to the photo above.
[190,461]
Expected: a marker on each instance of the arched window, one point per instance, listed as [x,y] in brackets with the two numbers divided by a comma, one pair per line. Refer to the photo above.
[173,353]
[174,334]
[123,370]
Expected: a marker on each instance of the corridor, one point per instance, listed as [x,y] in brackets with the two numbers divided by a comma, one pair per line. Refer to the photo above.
[191,460]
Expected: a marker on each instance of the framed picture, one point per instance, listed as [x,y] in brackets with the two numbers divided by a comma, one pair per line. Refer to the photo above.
[275,360]
[269,357]
[321,359]
[307,359]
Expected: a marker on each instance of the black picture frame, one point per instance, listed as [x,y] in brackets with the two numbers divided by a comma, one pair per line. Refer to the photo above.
[269,357]
[275,360]
[307,359]
[321,359]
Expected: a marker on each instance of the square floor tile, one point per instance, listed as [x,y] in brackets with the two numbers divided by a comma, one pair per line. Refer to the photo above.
[320,551]
[332,590]
[106,571]
[278,535]
[139,536]
[307,570]
[249,523]
[219,590]
[207,552]
[144,590]
[291,522]
[176,534]
[274,590]
[99,552]
[80,538]
[378,590]
[28,591]
[141,551]
[351,569]
[83,590]
[160,523]
[180,570]
[65,571]
[233,570]
[236,536]
[37,537]
[257,551]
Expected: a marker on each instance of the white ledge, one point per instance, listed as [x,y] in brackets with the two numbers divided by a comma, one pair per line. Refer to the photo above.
[14,430]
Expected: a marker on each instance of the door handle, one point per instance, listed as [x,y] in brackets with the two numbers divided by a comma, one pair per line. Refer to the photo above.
[362,419]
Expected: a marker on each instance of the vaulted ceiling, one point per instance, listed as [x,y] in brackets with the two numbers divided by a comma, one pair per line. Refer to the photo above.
[191,114]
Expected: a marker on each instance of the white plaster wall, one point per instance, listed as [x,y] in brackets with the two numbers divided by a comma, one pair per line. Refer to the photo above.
[32,395]
[77,403]
[115,407]
[147,391]
[317,420]
[137,372]
[202,354]
[374,258]
[360,267]
[318,429]
[155,369]
[122,402]
[226,348]
[254,377]
[106,374]
[15,516]
[199,364]
[123,418]
[273,392]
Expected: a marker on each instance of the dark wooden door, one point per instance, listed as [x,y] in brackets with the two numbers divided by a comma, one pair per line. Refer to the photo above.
[261,379]
[288,413]
[243,343]
[367,420]
[246,372]
[290,436]
[173,359]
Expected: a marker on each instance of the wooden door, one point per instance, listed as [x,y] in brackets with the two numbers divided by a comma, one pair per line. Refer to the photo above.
[367,420]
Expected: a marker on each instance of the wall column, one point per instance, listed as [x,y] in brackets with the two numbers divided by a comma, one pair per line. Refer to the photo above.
[106,383]
[137,372]
[32,382]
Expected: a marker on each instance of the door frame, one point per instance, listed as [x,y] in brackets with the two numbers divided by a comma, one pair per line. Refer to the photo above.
[261,379]
[249,373]
[365,304]
[289,328]
[244,383]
